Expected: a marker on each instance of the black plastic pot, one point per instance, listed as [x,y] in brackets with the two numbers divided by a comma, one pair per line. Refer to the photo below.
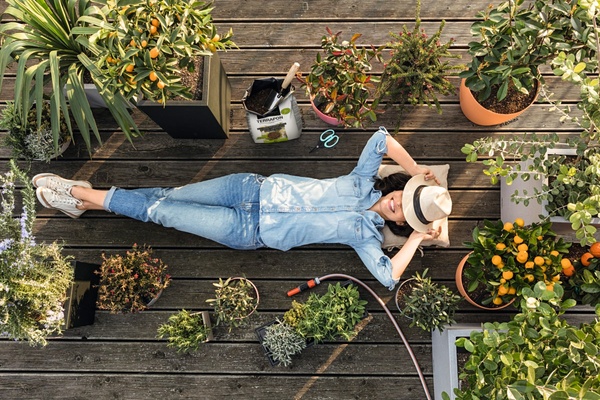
[80,306]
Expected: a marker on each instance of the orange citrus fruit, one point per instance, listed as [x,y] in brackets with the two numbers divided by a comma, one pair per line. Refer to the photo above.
[539,261]
[502,290]
[569,271]
[508,275]
[550,286]
[565,263]
[132,43]
[529,278]
[586,259]
[154,52]
[153,30]
[144,43]
[497,301]
[518,240]
[508,226]
[129,68]
[522,257]
[160,85]
[153,76]
[595,249]
[555,278]
[500,246]
[496,259]
[155,23]
[529,265]
[522,247]
[512,290]
[554,253]
[519,222]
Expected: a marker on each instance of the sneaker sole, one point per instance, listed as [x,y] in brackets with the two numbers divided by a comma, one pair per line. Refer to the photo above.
[45,203]
[47,174]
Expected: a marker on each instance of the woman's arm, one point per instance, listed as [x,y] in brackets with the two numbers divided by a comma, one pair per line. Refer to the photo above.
[399,154]
[401,260]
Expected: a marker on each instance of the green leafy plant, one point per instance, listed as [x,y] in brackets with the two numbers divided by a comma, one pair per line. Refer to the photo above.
[415,73]
[428,304]
[235,300]
[49,54]
[583,282]
[570,188]
[340,82]
[34,277]
[515,37]
[32,138]
[508,258]
[129,283]
[328,316]
[537,355]
[147,43]
[282,342]
[185,331]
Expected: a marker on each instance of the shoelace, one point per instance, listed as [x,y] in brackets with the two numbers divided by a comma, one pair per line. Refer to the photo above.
[58,198]
[58,186]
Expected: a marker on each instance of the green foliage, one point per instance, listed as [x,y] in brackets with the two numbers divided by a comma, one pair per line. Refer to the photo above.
[537,355]
[185,331]
[571,188]
[128,284]
[429,304]
[526,254]
[34,277]
[127,32]
[31,138]
[328,316]
[584,285]
[235,300]
[48,54]
[515,37]
[341,80]
[415,73]
[282,342]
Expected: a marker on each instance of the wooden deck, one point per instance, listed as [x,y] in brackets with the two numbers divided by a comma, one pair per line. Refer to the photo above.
[119,356]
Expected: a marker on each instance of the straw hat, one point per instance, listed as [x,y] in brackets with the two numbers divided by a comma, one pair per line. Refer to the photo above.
[424,202]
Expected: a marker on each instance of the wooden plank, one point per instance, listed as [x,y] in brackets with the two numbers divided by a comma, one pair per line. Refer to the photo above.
[209,387]
[213,358]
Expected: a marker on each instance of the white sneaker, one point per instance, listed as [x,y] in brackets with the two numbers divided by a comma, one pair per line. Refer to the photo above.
[59,201]
[57,183]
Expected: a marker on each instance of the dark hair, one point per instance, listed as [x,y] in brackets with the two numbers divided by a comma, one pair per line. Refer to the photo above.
[388,185]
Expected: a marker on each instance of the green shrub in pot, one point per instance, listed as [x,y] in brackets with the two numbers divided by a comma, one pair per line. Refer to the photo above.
[185,331]
[282,342]
[235,300]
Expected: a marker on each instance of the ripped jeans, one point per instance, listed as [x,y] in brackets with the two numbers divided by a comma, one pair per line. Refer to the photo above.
[225,210]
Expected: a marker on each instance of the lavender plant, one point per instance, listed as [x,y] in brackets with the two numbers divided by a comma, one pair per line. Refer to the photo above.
[282,341]
[34,277]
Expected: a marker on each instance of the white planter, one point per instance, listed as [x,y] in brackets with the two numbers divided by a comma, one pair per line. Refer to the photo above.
[445,366]
[509,210]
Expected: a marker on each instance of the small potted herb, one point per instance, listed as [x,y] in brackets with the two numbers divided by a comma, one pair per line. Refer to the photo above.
[415,73]
[131,283]
[186,331]
[428,304]
[340,83]
[281,342]
[32,138]
[235,300]
[34,276]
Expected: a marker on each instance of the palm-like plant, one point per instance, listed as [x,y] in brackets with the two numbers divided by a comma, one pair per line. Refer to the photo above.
[49,55]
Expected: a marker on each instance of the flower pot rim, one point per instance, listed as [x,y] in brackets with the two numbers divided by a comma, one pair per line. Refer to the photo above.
[406,281]
[239,278]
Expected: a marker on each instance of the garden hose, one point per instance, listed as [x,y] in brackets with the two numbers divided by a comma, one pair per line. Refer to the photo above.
[316,281]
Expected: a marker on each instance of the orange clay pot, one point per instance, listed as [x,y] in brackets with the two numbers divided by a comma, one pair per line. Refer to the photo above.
[463,291]
[480,115]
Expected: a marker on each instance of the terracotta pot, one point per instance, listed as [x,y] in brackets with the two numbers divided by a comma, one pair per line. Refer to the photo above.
[480,115]
[463,291]
[239,278]
[324,117]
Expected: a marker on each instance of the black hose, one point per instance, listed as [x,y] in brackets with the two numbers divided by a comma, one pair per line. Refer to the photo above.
[391,317]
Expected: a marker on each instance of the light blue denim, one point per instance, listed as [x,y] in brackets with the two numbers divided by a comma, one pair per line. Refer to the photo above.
[291,211]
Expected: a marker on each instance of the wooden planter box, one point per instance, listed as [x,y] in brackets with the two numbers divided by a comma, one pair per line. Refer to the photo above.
[208,118]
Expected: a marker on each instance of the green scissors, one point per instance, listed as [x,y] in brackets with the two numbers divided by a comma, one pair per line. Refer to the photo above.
[328,139]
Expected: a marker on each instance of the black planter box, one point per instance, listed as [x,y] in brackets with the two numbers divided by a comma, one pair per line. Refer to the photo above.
[208,118]
[80,306]
[261,332]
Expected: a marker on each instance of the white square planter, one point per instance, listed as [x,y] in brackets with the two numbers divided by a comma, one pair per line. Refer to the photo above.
[445,368]
[509,210]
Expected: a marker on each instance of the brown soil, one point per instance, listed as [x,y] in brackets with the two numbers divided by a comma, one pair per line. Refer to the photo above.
[514,101]
[258,101]
[461,359]
[193,80]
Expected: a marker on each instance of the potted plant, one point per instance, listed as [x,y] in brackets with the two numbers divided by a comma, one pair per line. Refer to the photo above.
[236,299]
[537,354]
[131,283]
[507,258]
[43,40]
[415,73]
[280,342]
[427,304]
[34,276]
[159,54]
[340,83]
[186,331]
[513,40]
[32,138]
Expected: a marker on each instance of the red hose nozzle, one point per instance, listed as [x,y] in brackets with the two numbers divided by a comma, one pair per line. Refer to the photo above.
[305,286]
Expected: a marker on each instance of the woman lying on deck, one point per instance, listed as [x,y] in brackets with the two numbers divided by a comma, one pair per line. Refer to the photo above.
[250,211]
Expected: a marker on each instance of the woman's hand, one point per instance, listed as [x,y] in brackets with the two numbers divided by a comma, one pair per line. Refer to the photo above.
[428,174]
[431,234]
